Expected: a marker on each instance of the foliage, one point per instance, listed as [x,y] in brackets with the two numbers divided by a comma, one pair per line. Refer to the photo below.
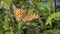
[53,16]
[48,22]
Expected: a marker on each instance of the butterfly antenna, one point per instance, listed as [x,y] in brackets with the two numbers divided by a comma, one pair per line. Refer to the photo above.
[13,6]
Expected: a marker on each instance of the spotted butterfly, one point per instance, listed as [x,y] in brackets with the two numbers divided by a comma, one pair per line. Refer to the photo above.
[23,15]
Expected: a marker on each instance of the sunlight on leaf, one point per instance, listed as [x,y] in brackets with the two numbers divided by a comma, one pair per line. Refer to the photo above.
[54,15]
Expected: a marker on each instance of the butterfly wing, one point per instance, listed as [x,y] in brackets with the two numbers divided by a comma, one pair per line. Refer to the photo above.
[30,16]
[19,13]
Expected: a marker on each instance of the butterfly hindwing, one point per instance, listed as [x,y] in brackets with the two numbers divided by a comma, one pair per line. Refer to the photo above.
[30,16]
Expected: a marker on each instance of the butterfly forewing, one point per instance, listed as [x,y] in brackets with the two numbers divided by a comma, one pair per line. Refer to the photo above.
[19,13]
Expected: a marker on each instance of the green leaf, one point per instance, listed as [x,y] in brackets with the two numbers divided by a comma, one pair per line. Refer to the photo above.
[30,10]
[8,3]
[9,33]
[20,24]
[24,27]
[6,23]
[1,5]
[52,16]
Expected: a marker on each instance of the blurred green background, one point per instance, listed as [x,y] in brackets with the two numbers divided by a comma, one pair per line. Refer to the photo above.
[48,23]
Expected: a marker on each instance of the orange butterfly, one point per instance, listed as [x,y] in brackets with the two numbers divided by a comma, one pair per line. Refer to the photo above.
[23,15]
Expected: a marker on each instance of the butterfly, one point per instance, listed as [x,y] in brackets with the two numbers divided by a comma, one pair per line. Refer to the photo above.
[23,15]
